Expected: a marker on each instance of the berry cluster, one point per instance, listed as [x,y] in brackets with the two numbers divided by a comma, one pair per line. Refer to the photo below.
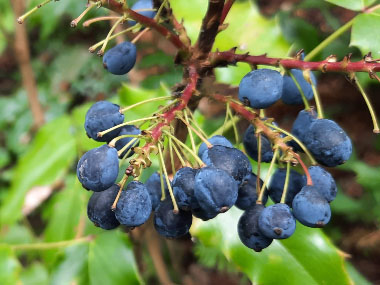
[221,175]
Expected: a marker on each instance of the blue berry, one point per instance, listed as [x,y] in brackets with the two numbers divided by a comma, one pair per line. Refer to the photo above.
[170,224]
[261,88]
[153,185]
[183,188]
[250,145]
[143,4]
[301,126]
[247,194]
[215,140]
[276,187]
[290,93]
[99,208]
[127,130]
[323,181]
[100,117]
[215,190]
[311,208]
[204,215]
[98,168]
[231,160]
[134,205]
[248,229]
[328,143]
[120,59]
[277,222]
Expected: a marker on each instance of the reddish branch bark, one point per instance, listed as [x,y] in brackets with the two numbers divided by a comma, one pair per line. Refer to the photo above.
[226,10]
[229,57]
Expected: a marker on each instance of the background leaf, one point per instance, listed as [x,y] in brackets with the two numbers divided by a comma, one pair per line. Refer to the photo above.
[365,34]
[355,5]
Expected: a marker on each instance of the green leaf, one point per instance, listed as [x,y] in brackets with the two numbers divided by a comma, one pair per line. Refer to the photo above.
[364,34]
[111,260]
[355,5]
[35,274]
[308,257]
[47,159]
[9,266]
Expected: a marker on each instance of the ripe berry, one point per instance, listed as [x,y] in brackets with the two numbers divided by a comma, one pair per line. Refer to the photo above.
[247,194]
[99,208]
[231,160]
[290,92]
[277,221]
[169,224]
[328,142]
[203,214]
[143,4]
[248,229]
[310,208]
[126,130]
[134,205]
[261,88]
[323,181]
[250,145]
[215,140]
[100,117]
[276,187]
[183,188]
[301,126]
[153,185]
[120,59]
[98,168]
[215,190]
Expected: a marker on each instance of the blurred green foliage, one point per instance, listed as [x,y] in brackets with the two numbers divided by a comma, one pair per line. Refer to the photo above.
[69,78]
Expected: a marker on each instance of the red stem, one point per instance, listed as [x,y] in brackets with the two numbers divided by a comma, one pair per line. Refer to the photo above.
[309,181]
[229,57]
[118,7]
[185,98]
[226,9]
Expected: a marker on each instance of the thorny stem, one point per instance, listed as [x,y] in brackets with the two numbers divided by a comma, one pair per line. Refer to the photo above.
[286,184]
[52,245]
[100,134]
[262,190]
[21,19]
[376,129]
[329,40]
[101,51]
[175,206]
[75,22]
[226,9]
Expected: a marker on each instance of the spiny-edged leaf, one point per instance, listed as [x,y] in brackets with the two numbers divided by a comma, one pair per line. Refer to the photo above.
[250,32]
[364,34]
[49,156]
[355,5]
[111,260]
[72,267]
[356,277]
[36,273]
[308,257]
[9,265]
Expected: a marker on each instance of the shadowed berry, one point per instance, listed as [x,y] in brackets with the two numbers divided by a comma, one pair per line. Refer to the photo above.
[134,206]
[277,222]
[310,208]
[215,190]
[247,194]
[183,188]
[248,229]
[250,145]
[170,224]
[120,59]
[140,5]
[215,140]
[290,92]
[276,187]
[127,130]
[231,160]
[153,185]
[301,125]
[99,208]
[323,181]
[98,168]
[100,117]
[261,88]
